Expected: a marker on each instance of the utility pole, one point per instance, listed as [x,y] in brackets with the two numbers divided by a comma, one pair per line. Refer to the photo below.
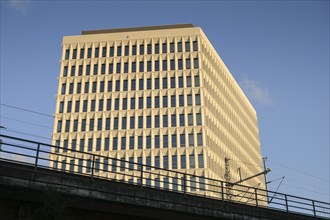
[265,177]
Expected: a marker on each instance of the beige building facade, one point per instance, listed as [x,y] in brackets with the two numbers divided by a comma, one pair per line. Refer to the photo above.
[160,96]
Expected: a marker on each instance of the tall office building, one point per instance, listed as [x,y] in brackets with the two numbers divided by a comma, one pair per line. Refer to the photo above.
[160,96]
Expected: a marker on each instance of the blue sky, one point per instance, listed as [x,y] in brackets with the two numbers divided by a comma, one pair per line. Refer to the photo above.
[278,51]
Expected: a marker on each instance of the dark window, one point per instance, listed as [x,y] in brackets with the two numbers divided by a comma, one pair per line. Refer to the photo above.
[156,102]
[118,85]
[141,84]
[148,83]
[97,51]
[188,66]
[196,80]
[80,70]
[73,70]
[90,144]
[156,83]
[112,51]
[140,102]
[134,50]
[85,105]
[200,161]
[156,65]
[123,122]
[148,163]
[125,85]
[67,54]
[117,104]
[165,102]
[132,122]
[63,88]
[189,100]
[165,121]
[110,68]
[109,104]
[173,101]
[165,82]
[118,51]
[187,45]
[174,142]
[182,140]
[172,47]
[126,67]
[126,50]
[141,66]
[148,66]
[110,86]
[198,119]
[82,53]
[149,102]
[181,100]
[149,49]
[191,140]
[157,123]
[88,70]
[118,67]
[157,162]
[173,120]
[192,160]
[65,145]
[94,87]
[195,63]
[69,107]
[89,53]
[132,103]
[156,48]
[91,124]
[188,79]
[59,126]
[107,124]
[165,141]
[77,108]
[198,99]
[148,142]
[173,82]
[131,143]
[174,162]
[181,119]
[102,86]
[199,139]
[104,52]
[115,144]
[157,141]
[133,84]
[82,145]
[65,71]
[172,64]
[195,46]
[61,107]
[140,144]
[181,82]
[165,161]
[141,49]
[164,65]
[98,144]
[115,123]
[140,121]
[123,145]
[103,68]
[105,163]
[133,67]
[183,161]
[99,124]
[83,125]
[179,46]
[180,64]
[148,121]
[164,48]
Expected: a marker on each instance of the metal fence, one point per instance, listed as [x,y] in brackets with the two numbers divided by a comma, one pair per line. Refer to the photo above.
[40,155]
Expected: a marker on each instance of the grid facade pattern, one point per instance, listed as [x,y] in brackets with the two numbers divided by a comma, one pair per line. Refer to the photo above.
[162,98]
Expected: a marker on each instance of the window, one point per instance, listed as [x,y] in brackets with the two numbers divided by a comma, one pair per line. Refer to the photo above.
[115,143]
[126,67]
[77,108]
[139,161]
[85,104]
[124,123]
[107,124]
[65,146]
[67,126]
[103,68]
[199,139]
[173,101]
[172,64]
[174,141]
[141,49]
[148,83]
[179,46]
[148,142]
[174,162]
[149,49]
[157,161]
[140,121]
[71,165]
[183,161]
[110,86]
[115,123]
[102,86]
[80,165]
[63,88]
[192,160]
[82,145]
[156,48]
[172,47]
[124,103]
[165,163]
[140,102]
[69,107]
[157,123]
[182,120]
[132,122]
[165,82]
[165,121]
[173,82]
[88,70]
[148,121]
[141,66]
[131,163]
[118,51]
[71,88]
[110,68]
[91,124]
[173,120]
[89,52]
[132,103]
[131,142]
[198,119]
[196,80]
[141,84]
[133,84]
[75,125]
[83,125]
[198,99]
[134,50]
[123,143]
[140,142]
[61,107]
[116,104]
[59,126]
[93,105]
[97,51]
[165,141]
[191,140]
[94,85]
[200,161]
[164,65]
[182,140]
[180,64]
[164,48]
[133,67]
[189,100]
[67,54]
[108,104]
[86,87]
[195,46]
[88,165]
[157,141]
[82,53]
[149,102]
[105,164]
[156,102]
[114,165]
[98,144]
[181,100]
[99,124]
[112,51]
[196,63]
[90,144]
[97,165]
[156,83]
[187,45]
[192,183]
[165,102]
[126,50]
[65,71]
[117,85]
[79,87]
[190,119]
[104,51]
[118,67]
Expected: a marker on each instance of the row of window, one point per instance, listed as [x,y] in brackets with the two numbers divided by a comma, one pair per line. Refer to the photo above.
[134,142]
[131,50]
[132,67]
[130,85]
[130,122]
[131,103]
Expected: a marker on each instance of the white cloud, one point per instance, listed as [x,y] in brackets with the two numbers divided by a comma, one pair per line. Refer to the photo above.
[19,5]
[255,92]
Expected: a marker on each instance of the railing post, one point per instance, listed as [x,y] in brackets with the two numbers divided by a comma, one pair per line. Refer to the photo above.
[314,210]
[141,175]
[93,166]
[256,196]
[222,194]
[286,203]
[184,183]
[37,157]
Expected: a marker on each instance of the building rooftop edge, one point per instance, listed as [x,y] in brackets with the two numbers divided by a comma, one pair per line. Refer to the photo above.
[146,28]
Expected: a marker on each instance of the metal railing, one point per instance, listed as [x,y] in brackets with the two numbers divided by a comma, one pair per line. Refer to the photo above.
[40,155]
